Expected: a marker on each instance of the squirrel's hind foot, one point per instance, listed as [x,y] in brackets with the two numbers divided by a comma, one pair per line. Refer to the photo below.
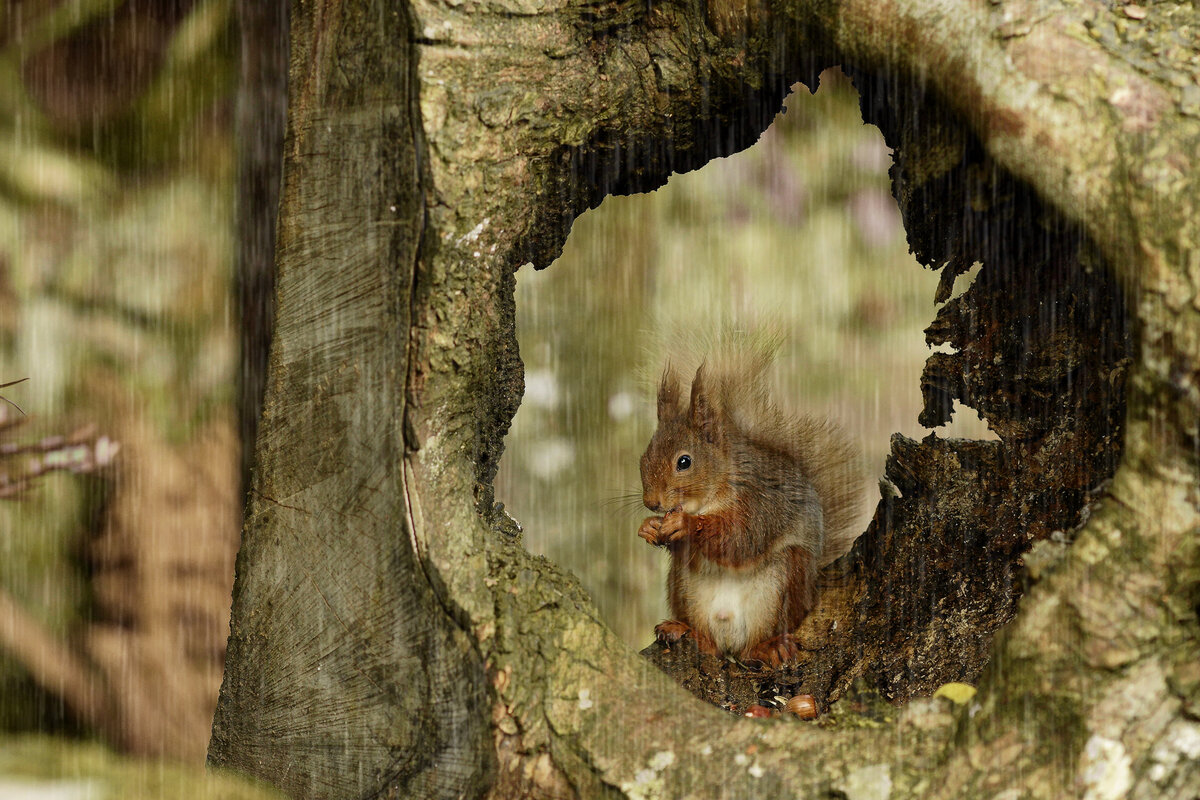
[670,631]
[775,652]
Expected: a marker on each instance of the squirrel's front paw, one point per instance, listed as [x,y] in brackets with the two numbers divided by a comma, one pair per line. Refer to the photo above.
[674,526]
[650,530]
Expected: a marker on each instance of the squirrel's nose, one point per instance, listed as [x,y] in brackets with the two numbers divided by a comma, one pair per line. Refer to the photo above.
[652,503]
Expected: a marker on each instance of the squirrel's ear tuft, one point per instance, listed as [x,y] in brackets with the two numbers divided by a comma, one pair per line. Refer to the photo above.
[668,395]
[703,414]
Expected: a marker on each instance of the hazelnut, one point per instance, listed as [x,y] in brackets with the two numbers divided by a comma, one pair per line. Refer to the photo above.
[803,706]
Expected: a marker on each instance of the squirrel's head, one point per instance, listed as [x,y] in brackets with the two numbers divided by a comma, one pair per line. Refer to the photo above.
[686,464]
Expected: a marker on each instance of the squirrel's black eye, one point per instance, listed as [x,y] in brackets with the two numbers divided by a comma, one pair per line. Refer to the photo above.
[683,463]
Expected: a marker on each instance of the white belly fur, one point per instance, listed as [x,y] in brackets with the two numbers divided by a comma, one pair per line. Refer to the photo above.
[739,606]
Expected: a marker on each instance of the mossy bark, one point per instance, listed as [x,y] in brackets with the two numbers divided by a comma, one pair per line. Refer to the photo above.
[390,634]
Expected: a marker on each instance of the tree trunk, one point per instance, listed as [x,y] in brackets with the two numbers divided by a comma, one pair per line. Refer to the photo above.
[390,635]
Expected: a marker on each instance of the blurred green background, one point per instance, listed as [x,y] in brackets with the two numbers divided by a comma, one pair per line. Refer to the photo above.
[799,233]
[116,304]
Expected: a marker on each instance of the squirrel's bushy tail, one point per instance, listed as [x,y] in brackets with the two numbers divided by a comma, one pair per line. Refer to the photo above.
[737,367]
[832,463]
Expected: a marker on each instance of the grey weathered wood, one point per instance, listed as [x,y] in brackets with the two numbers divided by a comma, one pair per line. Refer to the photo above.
[344,665]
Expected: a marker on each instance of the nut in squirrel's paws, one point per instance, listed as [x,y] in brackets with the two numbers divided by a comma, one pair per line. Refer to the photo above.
[774,652]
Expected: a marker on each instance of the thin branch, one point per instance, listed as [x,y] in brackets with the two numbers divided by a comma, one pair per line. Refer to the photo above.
[10,402]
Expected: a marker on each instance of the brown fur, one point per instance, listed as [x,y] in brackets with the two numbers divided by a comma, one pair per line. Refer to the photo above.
[725,539]
[767,496]
[802,586]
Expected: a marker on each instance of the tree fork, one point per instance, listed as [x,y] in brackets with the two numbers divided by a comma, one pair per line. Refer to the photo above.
[391,636]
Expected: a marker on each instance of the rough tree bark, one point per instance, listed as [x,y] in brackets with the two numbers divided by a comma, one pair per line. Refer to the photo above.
[391,637]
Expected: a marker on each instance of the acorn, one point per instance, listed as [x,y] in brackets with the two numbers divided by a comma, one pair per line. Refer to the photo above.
[803,706]
[758,711]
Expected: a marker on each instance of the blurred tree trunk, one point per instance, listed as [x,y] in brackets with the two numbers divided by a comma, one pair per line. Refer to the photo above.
[390,635]
[114,281]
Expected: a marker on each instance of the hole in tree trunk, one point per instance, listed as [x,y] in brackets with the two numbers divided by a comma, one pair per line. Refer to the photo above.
[1037,336]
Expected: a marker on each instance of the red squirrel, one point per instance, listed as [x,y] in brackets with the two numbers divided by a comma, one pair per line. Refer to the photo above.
[753,501]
